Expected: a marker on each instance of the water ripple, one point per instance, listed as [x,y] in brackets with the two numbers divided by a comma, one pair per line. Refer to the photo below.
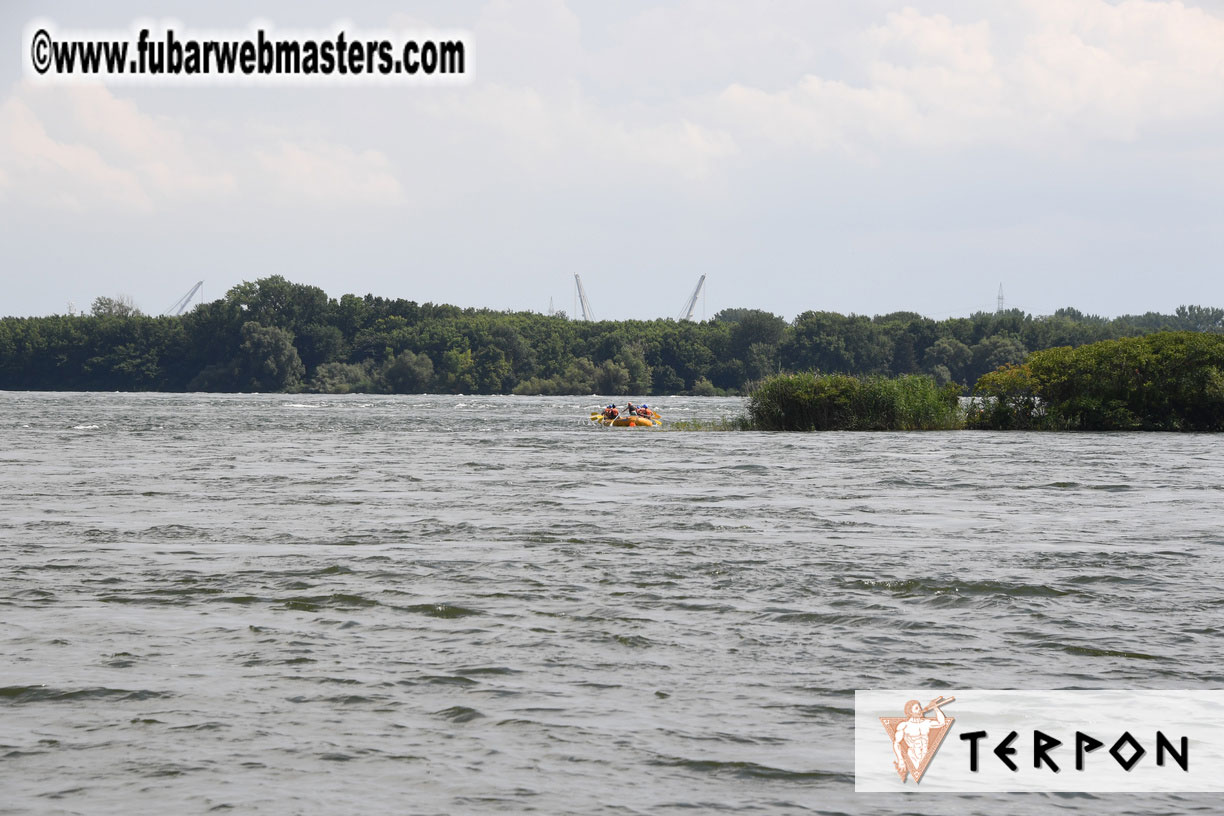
[219,596]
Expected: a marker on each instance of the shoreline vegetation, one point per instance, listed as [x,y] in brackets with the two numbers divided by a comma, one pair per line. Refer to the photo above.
[898,371]
[1168,381]
[840,402]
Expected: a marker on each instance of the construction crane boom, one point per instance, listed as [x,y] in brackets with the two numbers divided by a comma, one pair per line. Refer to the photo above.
[687,314]
[181,303]
[587,314]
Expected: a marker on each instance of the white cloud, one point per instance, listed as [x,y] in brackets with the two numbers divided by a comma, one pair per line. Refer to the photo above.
[568,138]
[530,106]
[155,148]
[1109,71]
[82,149]
[66,175]
[329,174]
[102,153]
[1081,72]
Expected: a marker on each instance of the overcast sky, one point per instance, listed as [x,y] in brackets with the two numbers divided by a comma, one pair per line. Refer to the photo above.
[864,156]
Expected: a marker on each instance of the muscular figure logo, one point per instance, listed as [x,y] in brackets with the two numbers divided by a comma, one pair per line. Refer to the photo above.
[916,737]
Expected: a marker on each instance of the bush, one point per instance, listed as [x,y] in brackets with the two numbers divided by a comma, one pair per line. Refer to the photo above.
[578,378]
[342,378]
[1006,400]
[1168,381]
[839,402]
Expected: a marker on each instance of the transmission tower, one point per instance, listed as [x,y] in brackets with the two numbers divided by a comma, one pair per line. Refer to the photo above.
[999,305]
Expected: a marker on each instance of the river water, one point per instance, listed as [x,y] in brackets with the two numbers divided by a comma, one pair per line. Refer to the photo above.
[383,605]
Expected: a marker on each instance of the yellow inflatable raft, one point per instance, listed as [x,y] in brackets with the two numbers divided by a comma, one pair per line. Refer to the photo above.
[627,421]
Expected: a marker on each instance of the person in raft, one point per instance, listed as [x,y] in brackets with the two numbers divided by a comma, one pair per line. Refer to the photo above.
[644,411]
[630,409]
[610,412]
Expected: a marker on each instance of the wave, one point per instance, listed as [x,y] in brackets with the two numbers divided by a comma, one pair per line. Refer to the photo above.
[441,610]
[921,586]
[18,695]
[749,770]
[459,714]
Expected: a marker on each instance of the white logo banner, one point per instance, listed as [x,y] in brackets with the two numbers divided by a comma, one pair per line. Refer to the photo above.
[952,740]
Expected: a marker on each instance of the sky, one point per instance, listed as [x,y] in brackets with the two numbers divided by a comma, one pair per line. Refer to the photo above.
[865,156]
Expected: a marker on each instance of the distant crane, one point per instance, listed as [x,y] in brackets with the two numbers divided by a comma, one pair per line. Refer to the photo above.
[587,314]
[181,303]
[687,314]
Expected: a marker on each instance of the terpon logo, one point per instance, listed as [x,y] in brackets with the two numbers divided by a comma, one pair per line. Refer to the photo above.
[1092,741]
[916,737]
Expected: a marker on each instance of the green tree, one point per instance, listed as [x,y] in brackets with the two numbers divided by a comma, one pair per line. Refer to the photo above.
[950,353]
[994,351]
[1007,399]
[320,343]
[612,378]
[268,360]
[409,373]
[343,378]
[120,306]
[1200,319]
[483,351]
[1170,381]
[456,372]
[274,301]
[493,372]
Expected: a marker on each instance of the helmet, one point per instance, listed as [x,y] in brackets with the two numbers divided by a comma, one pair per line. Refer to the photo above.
[644,405]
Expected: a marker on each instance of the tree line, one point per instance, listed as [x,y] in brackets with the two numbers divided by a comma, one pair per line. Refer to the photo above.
[1168,381]
[1163,381]
[276,335]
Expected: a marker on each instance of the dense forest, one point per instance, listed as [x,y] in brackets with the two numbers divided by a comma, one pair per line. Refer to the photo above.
[275,335]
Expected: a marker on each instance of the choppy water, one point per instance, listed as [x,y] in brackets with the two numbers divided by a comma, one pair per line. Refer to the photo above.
[383,605]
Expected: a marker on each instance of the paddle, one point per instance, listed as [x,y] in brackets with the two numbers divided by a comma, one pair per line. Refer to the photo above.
[603,419]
